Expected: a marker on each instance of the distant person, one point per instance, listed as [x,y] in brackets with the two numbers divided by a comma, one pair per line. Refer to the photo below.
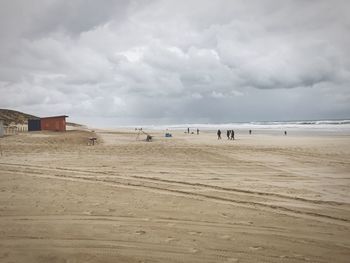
[285,132]
[228,132]
[188,130]
[250,131]
[232,134]
[197,131]
[219,134]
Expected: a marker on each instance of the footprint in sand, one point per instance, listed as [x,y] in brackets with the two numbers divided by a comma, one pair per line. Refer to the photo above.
[193,250]
[232,260]
[89,213]
[170,239]
[140,232]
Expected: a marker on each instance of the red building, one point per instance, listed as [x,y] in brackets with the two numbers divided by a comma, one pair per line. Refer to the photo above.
[55,123]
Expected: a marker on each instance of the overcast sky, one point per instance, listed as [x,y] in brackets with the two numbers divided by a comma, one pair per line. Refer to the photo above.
[120,62]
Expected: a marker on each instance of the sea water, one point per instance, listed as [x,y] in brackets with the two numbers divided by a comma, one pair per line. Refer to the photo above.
[341,127]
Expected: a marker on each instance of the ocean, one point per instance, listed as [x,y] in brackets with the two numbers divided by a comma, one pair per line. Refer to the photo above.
[304,126]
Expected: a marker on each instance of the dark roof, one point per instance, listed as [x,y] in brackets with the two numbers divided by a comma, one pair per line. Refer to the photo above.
[61,116]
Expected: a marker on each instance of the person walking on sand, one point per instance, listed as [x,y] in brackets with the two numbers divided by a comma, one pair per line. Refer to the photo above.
[188,130]
[285,132]
[197,131]
[232,134]
[228,134]
[250,131]
[219,134]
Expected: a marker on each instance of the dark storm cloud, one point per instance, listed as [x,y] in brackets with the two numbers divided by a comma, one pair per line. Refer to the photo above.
[176,61]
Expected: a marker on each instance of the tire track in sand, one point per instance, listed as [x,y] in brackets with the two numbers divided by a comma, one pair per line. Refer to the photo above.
[144,183]
[182,183]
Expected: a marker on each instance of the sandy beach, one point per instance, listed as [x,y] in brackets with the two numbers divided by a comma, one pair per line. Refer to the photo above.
[189,198]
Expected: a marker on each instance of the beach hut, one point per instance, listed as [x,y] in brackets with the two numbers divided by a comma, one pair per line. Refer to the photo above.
[2,130]
[34,125]
[54,123]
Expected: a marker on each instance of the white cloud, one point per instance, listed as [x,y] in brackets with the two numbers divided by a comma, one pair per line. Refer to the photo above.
[176,60]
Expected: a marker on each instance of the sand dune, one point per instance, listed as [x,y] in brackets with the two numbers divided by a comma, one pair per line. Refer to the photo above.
[190,198]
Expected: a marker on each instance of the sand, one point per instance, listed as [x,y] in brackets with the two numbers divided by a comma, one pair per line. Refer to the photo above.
[190,198]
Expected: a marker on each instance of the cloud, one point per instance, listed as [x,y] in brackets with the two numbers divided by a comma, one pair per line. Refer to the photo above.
[176,61]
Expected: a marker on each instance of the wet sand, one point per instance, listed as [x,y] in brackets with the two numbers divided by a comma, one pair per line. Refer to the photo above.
[190,198]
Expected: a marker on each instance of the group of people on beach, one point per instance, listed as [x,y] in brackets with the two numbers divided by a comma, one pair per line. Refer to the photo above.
[188,131]
[229,133]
